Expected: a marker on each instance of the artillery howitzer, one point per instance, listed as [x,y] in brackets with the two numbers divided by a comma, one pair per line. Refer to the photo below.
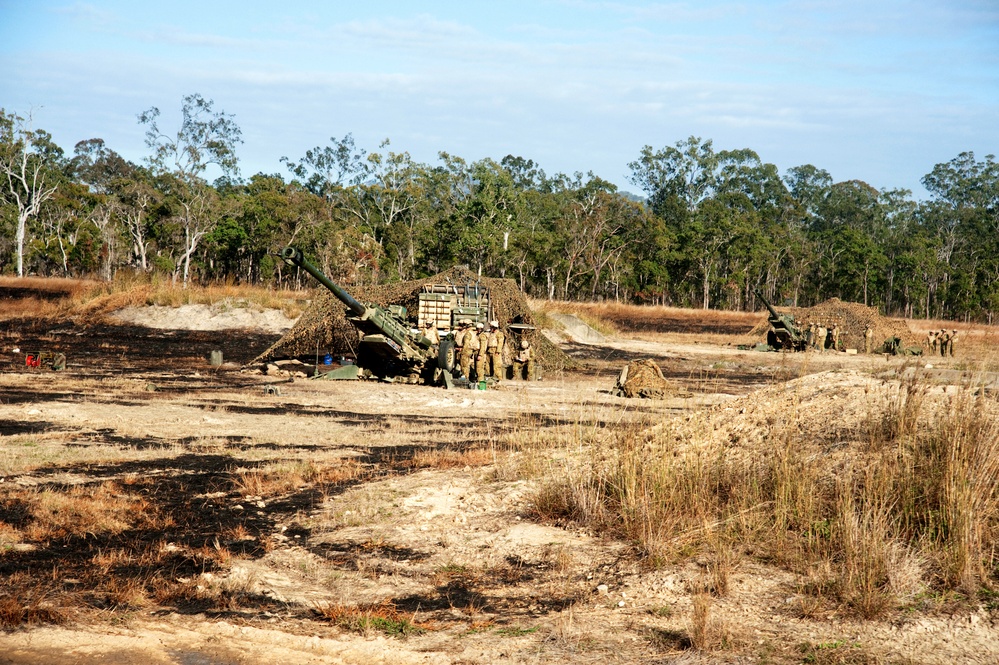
[784,333]
[388,348]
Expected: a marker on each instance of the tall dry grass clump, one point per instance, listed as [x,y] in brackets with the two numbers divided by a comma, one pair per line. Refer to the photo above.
[912,504]
[92,299]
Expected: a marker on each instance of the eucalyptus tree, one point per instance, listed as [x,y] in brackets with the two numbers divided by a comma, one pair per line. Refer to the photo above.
[485,216]
[27,159]
[205,137]
[847,229]
[965,212]
[685,172]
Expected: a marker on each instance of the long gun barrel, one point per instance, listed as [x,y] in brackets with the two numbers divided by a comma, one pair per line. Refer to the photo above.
[294,256]
[375,322]
[773,312]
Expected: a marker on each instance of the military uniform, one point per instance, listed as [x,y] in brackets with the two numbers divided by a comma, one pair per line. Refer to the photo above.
[953,339]
[430,332]
[820,341]
[494,349]
[835,337]
[524,360]
[944,339]
[463,342]
[868,339]
[480,352]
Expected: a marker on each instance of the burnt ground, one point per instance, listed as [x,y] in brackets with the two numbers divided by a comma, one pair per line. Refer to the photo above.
[185,489]
[196,473]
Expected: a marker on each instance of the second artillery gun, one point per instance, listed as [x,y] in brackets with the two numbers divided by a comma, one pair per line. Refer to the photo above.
[388,347]
[784,333]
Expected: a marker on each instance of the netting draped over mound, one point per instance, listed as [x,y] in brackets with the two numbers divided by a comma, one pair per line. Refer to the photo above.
[853,318]
[643,378]
[324,327]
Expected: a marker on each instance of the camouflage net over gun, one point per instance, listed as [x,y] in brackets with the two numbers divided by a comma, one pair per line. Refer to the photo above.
[324,325]
[853,318]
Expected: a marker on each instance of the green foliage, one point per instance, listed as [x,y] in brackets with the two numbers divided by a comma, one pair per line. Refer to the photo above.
[713,226]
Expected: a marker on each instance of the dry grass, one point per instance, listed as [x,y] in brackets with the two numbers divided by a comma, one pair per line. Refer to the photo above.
[437,458]
[915,506]
[383,617]
[29,605]
[279,478]
[91,300]
[649,316]
[79,511]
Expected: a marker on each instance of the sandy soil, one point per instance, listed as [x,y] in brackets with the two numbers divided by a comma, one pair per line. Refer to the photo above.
[452,547]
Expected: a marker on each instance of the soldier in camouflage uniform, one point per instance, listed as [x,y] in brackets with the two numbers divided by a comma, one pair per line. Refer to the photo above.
[494,349]
[943,338]
[480,351]
[868,339]
[820,337]
[931,342]
[430,332]
[464,348]
[524,360]
[953,339]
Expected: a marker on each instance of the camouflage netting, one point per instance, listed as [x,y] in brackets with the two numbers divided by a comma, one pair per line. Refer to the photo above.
[853,318]
[643,378]
[324,327]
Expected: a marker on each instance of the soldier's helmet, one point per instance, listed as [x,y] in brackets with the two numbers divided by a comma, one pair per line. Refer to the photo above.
[494,324]
[479,326]
[524,344]
[429,324]
[954,331]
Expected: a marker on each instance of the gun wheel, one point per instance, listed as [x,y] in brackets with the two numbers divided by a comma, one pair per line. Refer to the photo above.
[445,355]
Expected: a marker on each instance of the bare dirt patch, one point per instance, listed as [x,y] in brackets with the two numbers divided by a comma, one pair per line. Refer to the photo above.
[155,508]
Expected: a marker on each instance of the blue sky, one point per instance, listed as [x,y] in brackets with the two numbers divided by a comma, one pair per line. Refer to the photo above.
[879,92]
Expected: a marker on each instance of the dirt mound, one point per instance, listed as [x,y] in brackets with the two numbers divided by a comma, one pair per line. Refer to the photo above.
[853,318]
[643,378]
[324,328]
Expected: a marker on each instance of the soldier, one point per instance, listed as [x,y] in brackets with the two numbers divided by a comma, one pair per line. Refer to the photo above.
[953,339]
[524,360]
[820,341]
[810,336]
[462,340]
[479,344]
[868,339]
[943,337]
[931,342]
[430,333]
[494,349]
[835,337]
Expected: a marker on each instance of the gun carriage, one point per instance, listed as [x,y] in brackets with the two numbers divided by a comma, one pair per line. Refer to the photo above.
[388,347]
[784,333]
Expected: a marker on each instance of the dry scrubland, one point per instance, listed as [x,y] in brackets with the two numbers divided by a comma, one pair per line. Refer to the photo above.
[786,509]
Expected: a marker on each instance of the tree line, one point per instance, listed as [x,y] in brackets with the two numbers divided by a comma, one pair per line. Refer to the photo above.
[713,225]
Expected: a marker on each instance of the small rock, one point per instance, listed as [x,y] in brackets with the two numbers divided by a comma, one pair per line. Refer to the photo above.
[602,589]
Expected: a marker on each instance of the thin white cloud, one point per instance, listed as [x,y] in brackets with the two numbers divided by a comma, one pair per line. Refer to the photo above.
[85,12]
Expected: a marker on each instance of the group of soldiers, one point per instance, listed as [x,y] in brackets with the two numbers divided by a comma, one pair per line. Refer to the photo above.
[479,348]
[943,340]
[820,336]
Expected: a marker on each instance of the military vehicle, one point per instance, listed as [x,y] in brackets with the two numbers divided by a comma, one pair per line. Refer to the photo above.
[893,347]
[784,333]
[389,347]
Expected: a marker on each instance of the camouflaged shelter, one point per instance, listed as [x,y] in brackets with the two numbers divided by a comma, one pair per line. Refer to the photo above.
[323,328]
